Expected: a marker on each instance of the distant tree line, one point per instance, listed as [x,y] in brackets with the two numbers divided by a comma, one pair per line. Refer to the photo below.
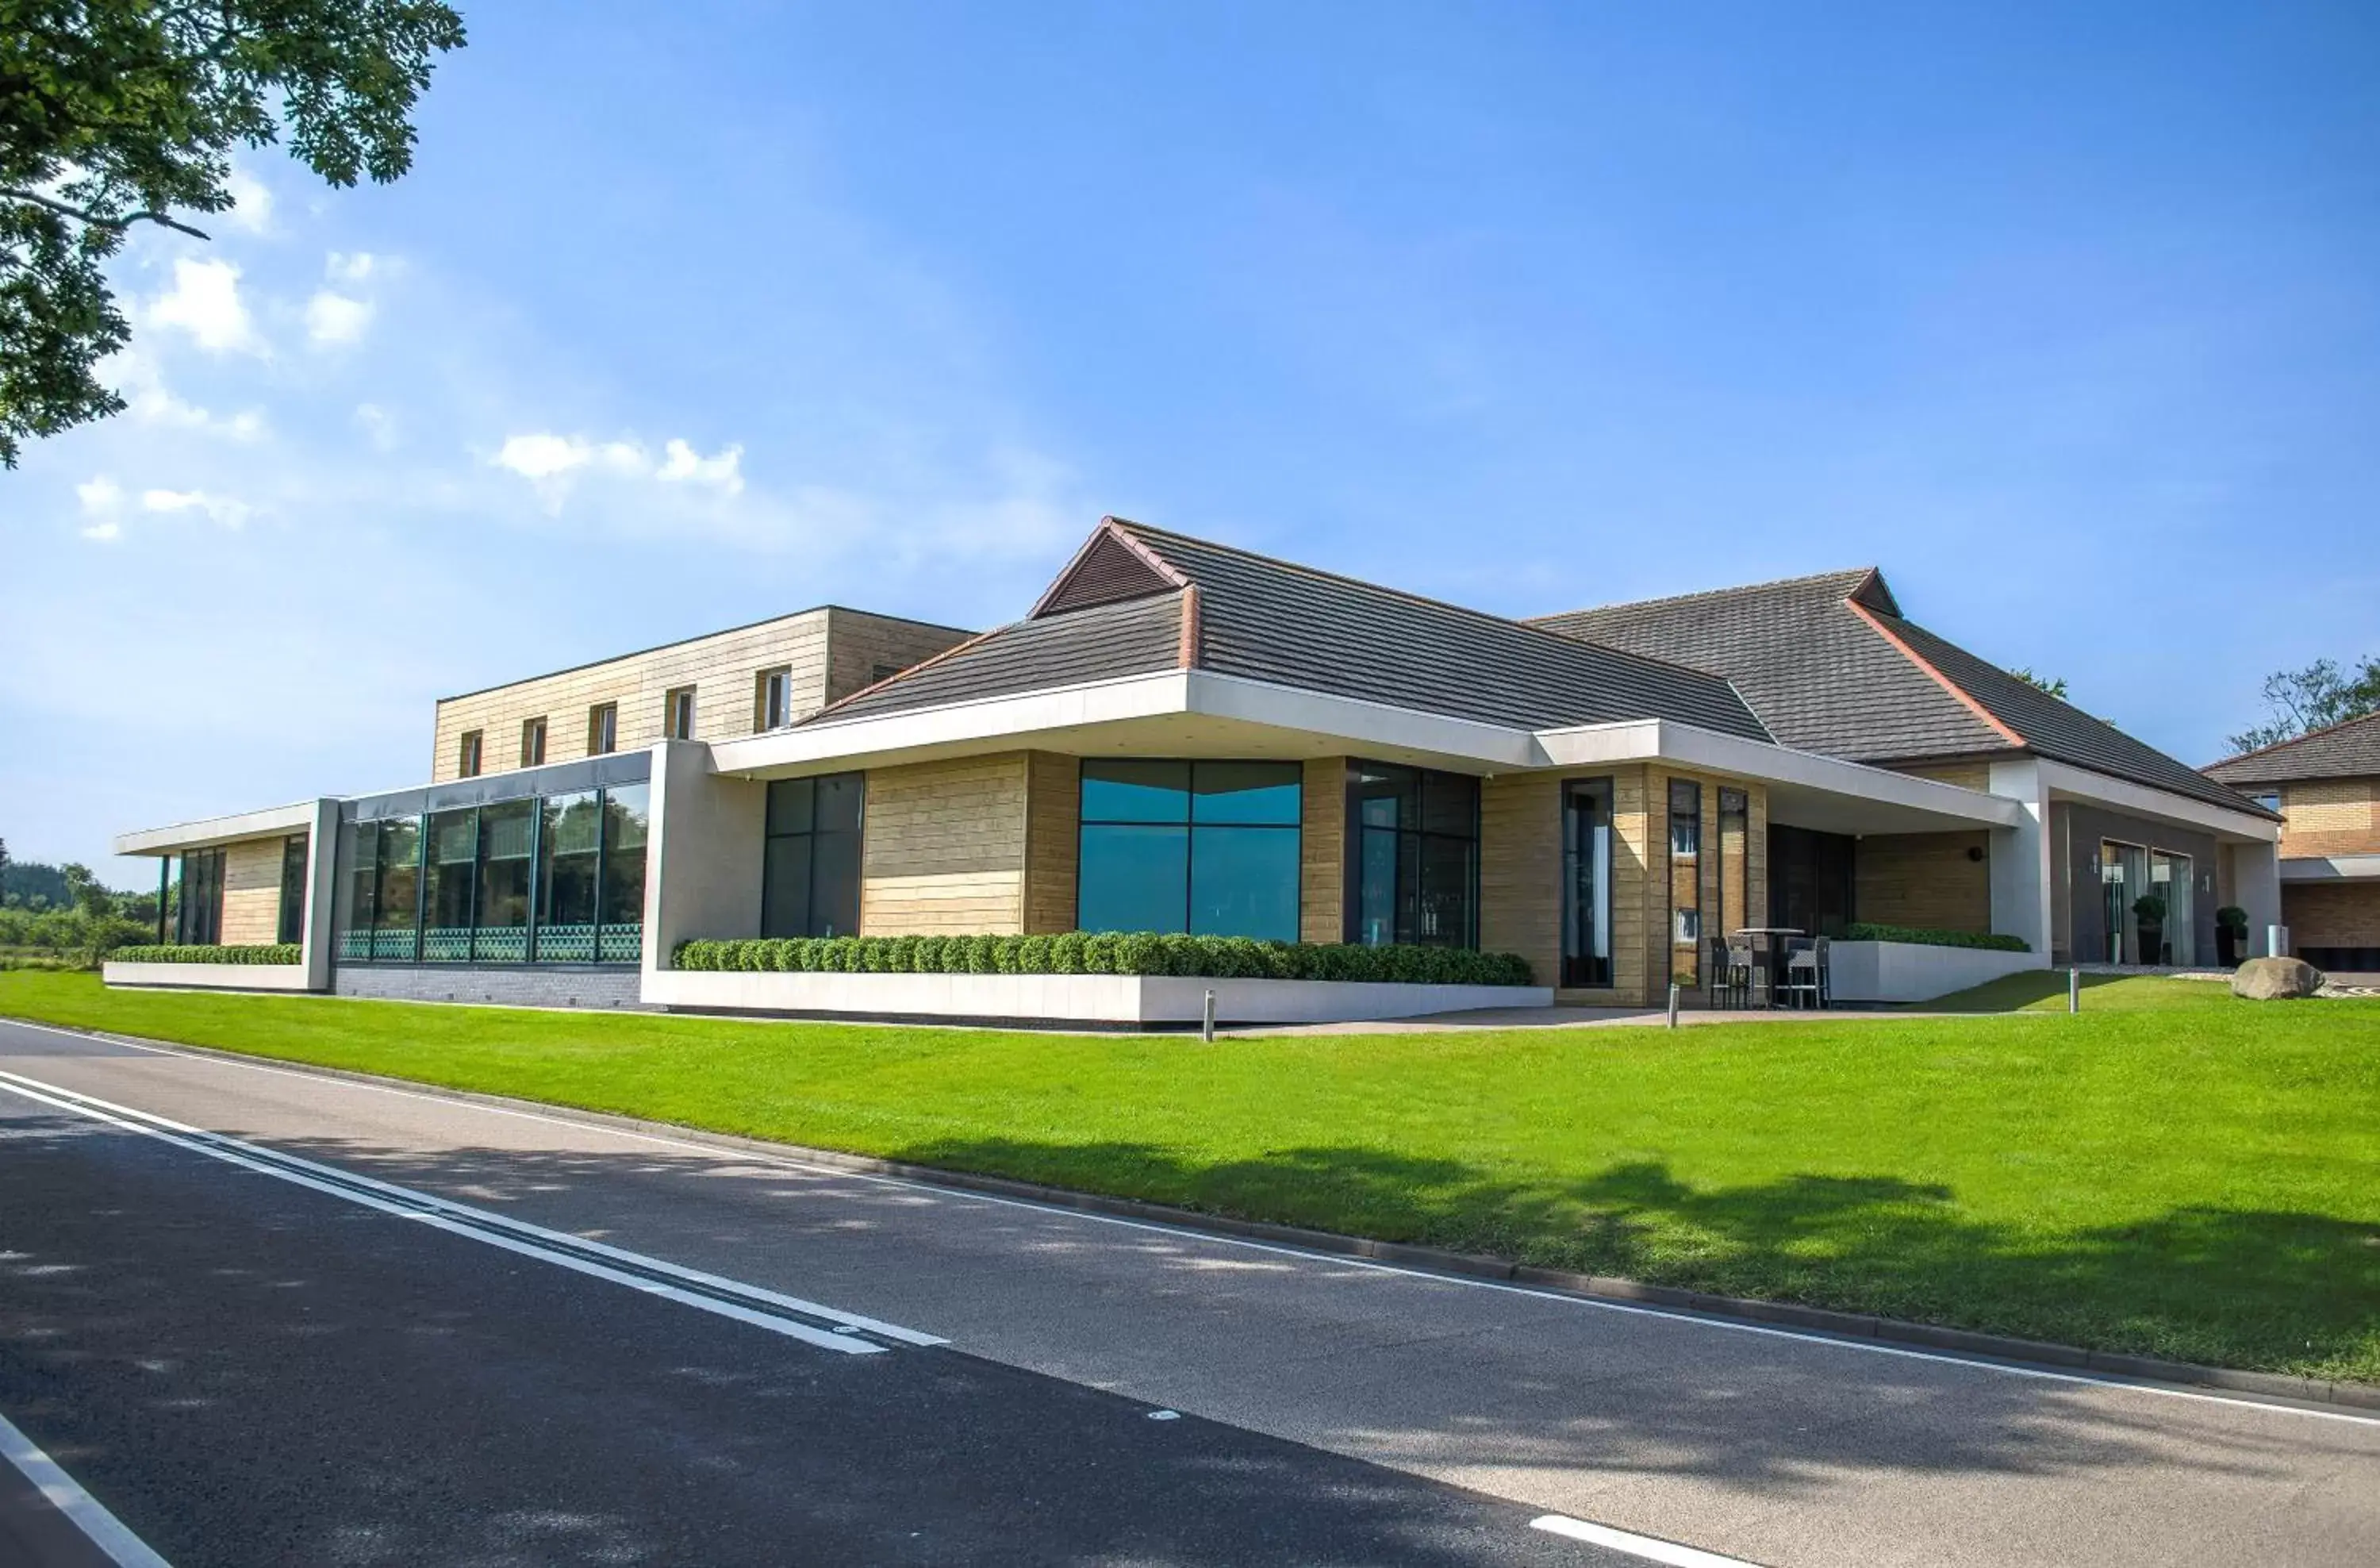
[54,917]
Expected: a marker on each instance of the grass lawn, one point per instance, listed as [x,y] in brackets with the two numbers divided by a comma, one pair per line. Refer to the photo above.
[2175,1174]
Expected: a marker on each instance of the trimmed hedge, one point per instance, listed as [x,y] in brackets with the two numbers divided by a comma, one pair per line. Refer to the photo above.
[1928,936]
[1083,953]
[210,953]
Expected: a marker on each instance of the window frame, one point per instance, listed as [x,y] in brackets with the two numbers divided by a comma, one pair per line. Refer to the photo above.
[678,704]
[290,924]
[1408,852]
[532,742]
[1191,828]
[602,729]
[1582,969]
[812,835]
[1688,974]
[470,753]
[773,698]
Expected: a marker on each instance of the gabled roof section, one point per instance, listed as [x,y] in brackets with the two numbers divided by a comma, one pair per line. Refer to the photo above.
[1820,675]
[1830,664]
[1235,613]
[2345,750]
[1268,620]
[1111,566]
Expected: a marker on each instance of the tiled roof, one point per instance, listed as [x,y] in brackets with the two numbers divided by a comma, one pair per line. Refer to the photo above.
[2340,752]
[1820,677]
[1268,620]
[1830,664]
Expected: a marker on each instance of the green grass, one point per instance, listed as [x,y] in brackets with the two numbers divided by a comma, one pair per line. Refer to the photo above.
[2044,990]
[2175,1174]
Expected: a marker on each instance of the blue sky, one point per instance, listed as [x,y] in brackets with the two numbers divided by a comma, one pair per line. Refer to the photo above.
[2067,316]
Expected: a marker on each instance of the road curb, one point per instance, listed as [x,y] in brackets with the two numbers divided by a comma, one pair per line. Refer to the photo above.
[1994,1349]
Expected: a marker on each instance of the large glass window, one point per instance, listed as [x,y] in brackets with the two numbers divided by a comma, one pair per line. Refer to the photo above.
[359,883]
[1685,882]
[1416,856]
[571,845]
[291,927]
[1210,849]
[1587,882]
[506,879]
[809,878]
[202,883]
[397,909]
[450,874]
[621,938]
[1810,881]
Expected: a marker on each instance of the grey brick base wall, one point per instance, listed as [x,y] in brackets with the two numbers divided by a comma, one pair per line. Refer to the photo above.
[514,987]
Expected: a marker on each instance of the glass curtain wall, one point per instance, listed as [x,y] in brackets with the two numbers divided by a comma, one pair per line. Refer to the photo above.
[1417,855]
[2124,880]
[809,873]
[1685,882]
[507,879]
[291,927]
[450,891]
[396,910]
[2169,879]
[572,840]
[1587,882]
[621,937]
[1210,849]
[202,883]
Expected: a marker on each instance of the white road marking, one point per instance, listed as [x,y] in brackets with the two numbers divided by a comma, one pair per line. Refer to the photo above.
[1648,1547]
[723,1151]
[480,1226]
[84,1511]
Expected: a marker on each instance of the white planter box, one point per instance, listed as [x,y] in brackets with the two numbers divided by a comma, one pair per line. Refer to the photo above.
[1070,999]
[208,977]
[1908,971]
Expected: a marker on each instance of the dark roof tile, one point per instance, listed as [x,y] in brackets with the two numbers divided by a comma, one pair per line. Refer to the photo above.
[2345,750]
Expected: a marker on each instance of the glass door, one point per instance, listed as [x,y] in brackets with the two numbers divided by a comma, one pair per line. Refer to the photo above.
[2124,880]
[2170,878]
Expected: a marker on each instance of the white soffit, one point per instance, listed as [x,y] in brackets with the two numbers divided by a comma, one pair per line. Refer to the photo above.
[273,821]
[2066,782]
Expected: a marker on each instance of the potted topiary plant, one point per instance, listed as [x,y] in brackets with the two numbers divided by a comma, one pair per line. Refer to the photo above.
[2230,935]
[2149,908]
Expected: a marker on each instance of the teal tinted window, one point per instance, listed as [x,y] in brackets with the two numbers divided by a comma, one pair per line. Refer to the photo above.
[1209,848]
[810,859]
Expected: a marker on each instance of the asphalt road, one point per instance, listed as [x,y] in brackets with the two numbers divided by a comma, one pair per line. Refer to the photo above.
[249,1370]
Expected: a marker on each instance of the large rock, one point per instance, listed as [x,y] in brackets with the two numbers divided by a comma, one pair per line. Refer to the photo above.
[2270,979]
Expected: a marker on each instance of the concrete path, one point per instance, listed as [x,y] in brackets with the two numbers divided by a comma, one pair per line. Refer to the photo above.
[1767,1447]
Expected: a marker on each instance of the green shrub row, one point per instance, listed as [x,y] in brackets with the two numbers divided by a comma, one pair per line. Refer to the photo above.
[1929,936]
[210,953]
[1085,953]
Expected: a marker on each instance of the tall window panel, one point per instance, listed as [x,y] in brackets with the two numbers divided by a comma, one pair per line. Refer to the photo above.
[202,882]
[507,879]
[1587,882]
[291,926]
[621,937]
[1416,856]
[602,729]
[532,746]
[677,713]
[467,761]
[773,698]
[570,850]
[396,912]
[359,881]
[809,878]
[1685,882]
[451,889]
[1207,847]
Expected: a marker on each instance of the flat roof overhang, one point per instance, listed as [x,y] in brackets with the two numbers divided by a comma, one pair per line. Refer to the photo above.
[208,833]
[1199,714]
[2063,781]
[2331,869]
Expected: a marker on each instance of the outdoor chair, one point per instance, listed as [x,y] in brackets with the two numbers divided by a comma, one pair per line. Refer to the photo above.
[1804,984]
[1719,983]
[1748,967]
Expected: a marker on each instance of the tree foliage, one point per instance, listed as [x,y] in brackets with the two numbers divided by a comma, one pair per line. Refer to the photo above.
[120,113]
[2316,697]
[2055,687]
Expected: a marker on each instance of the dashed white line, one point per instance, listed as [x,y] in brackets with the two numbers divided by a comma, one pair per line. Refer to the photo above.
[1650,1548]
[83,1510]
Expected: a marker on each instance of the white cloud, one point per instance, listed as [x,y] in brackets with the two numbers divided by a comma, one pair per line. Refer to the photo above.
[352,266]
[100,496]
[252,202]
[204,302]
[377,425]
[107,532]
[148,400]
[682,463]
[334,318]
[222,509]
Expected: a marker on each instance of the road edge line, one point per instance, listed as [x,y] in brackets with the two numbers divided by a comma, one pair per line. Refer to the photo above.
[85,1513]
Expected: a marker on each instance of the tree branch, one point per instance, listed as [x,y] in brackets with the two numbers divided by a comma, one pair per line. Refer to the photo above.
[99,220]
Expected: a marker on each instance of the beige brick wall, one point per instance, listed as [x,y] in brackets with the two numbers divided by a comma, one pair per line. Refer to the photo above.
[1924,880]
[1053,797]
[1322,851]
[831,653]
[2330,817]
[1966,775]
[946,848]
[2331,914]
[252,896]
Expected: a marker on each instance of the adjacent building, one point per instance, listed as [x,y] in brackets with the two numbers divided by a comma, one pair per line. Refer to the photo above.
[2326,788]
[1180,736]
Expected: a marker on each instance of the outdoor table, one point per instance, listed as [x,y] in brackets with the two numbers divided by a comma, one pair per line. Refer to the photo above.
[1769,945]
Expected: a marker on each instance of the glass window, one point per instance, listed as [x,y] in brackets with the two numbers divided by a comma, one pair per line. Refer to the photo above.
[507,865]
[602,729]
[1210,849]
[677,713]
[291,927]
[358,877]
[203,879]
[773,698]
[1587,882]
[532,750]
[621,937]
[570,844]
[396,912]
[809,873]
[1685,882]
[1417,855]
[449,892]
[466,765]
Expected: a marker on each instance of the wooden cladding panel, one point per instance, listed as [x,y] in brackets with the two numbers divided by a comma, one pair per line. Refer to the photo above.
[1930,879]
[946,848]
[1053,793]
[251,892]
[860,644]
[1966,775]
[1322,851]
[721,669]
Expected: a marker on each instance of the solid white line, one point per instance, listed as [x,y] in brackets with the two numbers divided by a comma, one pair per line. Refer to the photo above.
[1565,1298]
[83,1510]
[1646,1547]
[455,1219]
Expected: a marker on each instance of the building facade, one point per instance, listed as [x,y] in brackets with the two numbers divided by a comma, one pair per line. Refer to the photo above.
[1184,736]
[2326,788]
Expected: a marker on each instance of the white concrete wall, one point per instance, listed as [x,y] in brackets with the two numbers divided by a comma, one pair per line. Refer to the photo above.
[1087,999]
[2022,858]
[702,852]
[1905,971]
[209,977]
[2256,887]
[322,893]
